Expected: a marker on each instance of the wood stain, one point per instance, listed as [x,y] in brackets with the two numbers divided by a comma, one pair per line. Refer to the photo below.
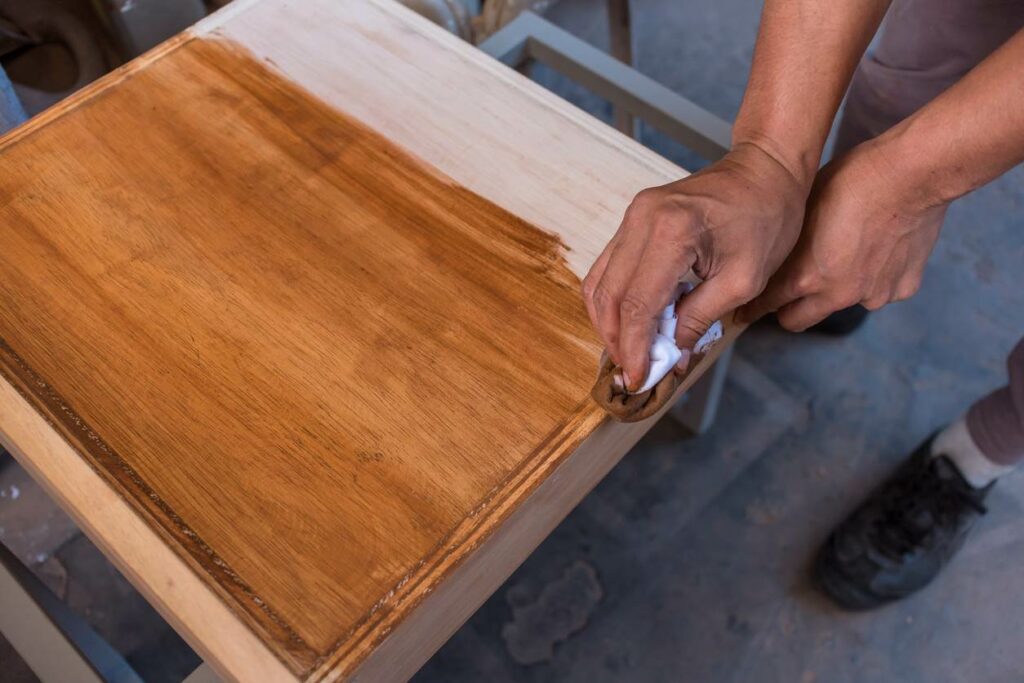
[227,294]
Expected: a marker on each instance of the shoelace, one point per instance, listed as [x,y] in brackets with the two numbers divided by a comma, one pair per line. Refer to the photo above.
[926,497]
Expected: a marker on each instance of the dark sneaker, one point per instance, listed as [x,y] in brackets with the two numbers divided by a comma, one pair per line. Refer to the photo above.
[902,536]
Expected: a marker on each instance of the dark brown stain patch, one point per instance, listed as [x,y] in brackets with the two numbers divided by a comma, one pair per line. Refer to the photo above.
[231,298]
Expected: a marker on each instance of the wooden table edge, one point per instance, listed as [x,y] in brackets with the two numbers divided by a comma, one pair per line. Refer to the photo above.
[209,625]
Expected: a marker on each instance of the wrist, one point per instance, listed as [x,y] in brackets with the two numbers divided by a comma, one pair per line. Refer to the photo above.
[932,167]
[799,161]
[909,163]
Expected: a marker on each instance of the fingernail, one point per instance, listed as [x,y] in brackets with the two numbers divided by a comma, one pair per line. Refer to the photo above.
[684,360]
[625,380]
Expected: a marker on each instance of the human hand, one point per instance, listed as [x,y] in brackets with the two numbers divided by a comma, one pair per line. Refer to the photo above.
[867,235]
[733,223]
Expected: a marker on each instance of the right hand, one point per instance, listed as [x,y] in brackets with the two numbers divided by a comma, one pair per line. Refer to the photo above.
[733,223]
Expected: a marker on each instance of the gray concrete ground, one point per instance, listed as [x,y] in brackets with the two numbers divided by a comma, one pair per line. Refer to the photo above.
[689,561]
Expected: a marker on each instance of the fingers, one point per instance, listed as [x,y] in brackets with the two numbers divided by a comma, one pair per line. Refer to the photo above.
[711,301]
[633,280]
[650,291]
[785,287]
[909,282]
[611,273]
[608,292]
[592,279]
[798,315]
[908,286]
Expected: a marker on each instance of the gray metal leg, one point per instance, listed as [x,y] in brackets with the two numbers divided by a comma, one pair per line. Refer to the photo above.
[55,643]
[532,38]
[202,674]
[620,37]
[697,410]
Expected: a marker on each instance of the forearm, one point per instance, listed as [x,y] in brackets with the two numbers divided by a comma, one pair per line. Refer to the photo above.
[966,137]
[804,58]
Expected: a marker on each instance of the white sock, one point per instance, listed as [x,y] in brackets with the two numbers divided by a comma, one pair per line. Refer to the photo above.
[955,442]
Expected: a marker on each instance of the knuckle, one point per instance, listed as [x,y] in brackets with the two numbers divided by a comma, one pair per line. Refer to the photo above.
[746,285]
[907,290]
[644,199]
[673,212]
[693,326]
[806,283]
[788,321]
[873,303]
[602,298]
[645,196]
[634,308]
[666,224]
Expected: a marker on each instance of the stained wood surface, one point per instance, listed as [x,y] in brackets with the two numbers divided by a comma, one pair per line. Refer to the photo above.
[300,288]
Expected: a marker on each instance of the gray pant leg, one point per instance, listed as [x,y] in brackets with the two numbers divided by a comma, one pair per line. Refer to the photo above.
[996,422]
[11,113]
[925,47]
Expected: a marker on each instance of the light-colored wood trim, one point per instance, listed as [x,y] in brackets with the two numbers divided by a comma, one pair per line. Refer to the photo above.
[209,626]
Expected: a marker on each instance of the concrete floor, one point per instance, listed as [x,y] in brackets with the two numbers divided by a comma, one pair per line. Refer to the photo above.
[689,561]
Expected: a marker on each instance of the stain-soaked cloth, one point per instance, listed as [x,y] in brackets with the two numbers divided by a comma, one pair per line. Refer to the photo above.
[632,407]
[925,47]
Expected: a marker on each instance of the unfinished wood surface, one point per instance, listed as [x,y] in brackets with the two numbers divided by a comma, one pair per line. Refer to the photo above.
[300,290]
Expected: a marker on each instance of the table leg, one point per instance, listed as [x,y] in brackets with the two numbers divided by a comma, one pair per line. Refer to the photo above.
[621,41]
[55,643]
[203,674]
[697,409]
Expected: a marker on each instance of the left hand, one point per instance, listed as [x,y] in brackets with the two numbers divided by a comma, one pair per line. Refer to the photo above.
[867,235]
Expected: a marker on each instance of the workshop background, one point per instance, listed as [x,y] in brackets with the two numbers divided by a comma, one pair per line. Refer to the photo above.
[689,562]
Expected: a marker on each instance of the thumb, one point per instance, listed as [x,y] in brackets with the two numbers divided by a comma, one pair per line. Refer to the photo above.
[699,309]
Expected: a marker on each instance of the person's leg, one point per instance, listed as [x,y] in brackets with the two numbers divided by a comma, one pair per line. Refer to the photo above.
[902,536]
[925,47]
[996,422]
[907,531]
[988,441]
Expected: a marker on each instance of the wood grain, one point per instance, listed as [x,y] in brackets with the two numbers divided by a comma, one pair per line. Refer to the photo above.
[309,306]
[344,358]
